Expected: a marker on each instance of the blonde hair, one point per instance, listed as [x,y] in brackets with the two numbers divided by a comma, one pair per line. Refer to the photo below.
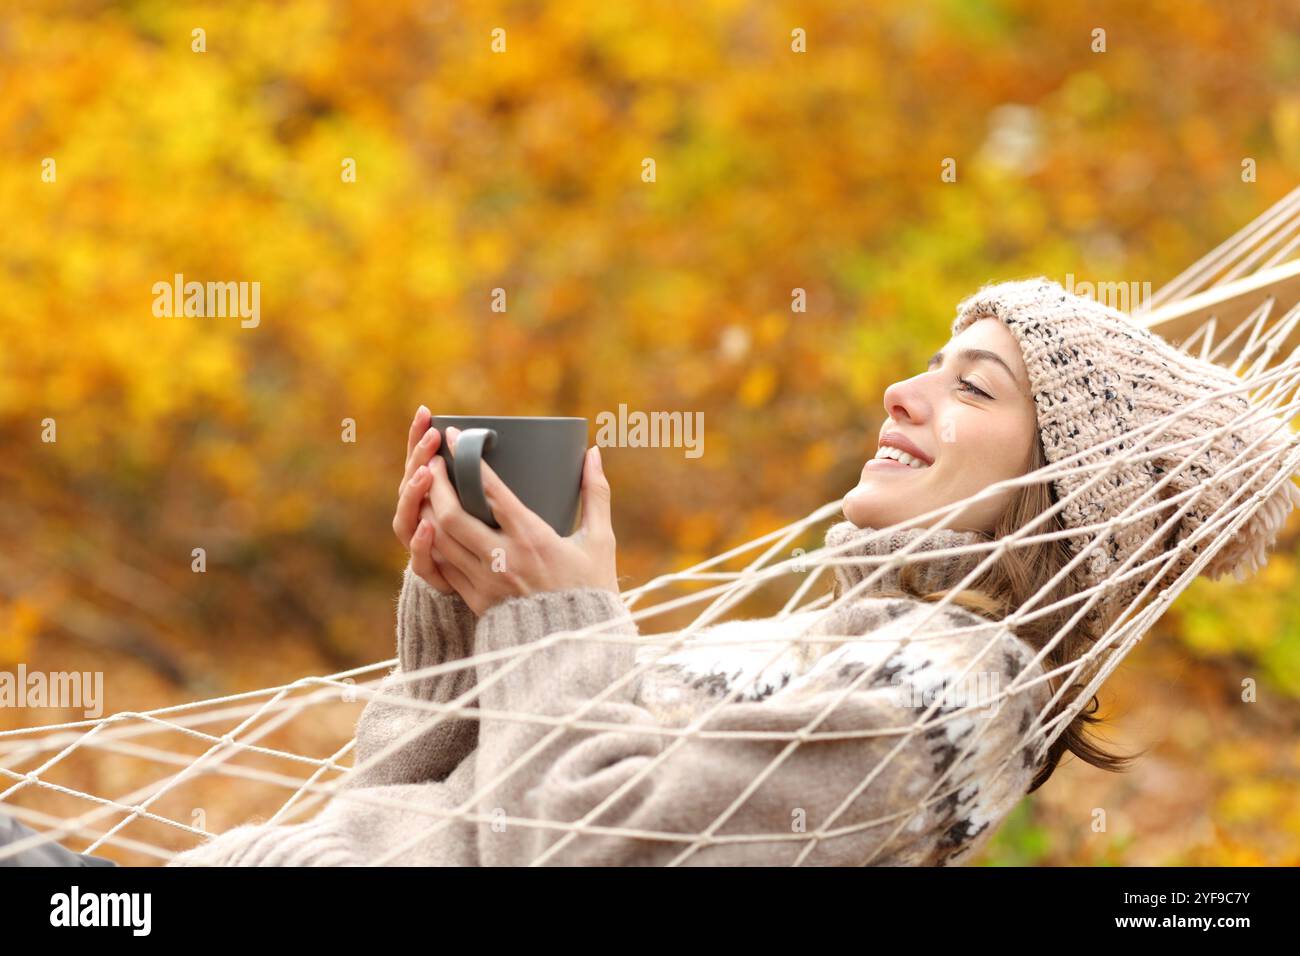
[1017,576]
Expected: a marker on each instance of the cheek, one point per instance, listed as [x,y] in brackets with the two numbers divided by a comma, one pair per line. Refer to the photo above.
[979,458]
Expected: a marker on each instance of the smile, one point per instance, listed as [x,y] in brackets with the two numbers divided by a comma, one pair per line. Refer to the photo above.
[890,457]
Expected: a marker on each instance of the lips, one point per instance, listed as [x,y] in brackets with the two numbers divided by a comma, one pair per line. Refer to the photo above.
[895,439]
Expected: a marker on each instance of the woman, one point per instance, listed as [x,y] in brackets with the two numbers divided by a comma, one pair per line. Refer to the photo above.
[688,755]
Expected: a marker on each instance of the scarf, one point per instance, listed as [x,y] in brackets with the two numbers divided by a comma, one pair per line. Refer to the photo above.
[931,575]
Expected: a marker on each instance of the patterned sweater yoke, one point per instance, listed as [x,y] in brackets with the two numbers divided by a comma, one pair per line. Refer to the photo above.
[874,731]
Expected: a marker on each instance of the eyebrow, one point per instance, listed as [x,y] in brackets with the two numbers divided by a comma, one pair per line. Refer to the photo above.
[978,355]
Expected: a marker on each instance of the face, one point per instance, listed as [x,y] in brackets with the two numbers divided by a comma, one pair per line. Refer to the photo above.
[970,417]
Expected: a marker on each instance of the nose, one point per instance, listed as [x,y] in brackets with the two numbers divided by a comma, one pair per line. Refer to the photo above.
[906,401]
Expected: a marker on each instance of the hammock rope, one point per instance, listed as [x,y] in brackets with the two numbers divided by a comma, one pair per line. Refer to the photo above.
[1238,306]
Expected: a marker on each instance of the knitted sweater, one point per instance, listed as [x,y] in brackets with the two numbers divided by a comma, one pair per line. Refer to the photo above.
[883,777]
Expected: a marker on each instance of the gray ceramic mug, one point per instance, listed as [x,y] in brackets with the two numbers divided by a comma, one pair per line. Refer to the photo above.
[539,459]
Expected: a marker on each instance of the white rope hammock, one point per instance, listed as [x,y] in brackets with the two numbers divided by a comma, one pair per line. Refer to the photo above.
[1239,307]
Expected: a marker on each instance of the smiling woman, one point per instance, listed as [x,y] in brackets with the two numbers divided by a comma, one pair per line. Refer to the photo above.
[965,423]
[841,745]
[1030,369]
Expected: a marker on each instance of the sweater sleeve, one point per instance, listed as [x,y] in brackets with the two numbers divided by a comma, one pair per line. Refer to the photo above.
[560,779]
[432,628]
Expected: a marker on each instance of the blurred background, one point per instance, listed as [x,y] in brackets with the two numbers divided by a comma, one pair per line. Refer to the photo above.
[523,171]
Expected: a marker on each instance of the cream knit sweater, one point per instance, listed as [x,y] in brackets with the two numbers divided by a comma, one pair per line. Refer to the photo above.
[931,796]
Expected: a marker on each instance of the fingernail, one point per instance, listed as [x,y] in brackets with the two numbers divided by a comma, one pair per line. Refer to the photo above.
[423,408]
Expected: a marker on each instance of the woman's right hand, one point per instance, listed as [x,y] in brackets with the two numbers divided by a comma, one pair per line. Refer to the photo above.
[414,522]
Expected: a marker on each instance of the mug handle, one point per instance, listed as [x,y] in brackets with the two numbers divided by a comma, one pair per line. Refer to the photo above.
[468,469]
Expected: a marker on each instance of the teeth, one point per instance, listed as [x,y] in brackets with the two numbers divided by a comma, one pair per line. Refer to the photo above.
[889,451]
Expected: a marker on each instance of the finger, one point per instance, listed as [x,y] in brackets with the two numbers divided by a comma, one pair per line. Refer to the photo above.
[422,558]
[461,536]
[426,513]
[419,425]
[513,515]
[460,556]
[596,518]
[453,433]
[461,584]
[409,512]
[423,451]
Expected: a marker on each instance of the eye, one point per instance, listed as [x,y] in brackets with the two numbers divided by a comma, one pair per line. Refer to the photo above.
[970,386]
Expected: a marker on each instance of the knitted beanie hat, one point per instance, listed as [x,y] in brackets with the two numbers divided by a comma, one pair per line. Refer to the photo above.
[1095,375]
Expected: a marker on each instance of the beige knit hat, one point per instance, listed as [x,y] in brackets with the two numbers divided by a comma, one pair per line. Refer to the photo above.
[1096,375]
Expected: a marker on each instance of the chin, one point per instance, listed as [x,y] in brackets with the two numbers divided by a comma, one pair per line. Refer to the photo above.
[858,511]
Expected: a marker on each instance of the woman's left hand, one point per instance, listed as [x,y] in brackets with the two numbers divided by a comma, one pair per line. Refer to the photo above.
[486,565]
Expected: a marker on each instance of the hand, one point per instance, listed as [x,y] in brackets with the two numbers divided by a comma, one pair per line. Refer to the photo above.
[526,556]
[414,523]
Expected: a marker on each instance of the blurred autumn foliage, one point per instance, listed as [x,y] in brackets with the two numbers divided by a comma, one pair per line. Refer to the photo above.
[522,171]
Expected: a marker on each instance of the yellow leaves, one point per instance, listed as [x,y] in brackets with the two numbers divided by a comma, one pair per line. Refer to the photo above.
[687,559]
[291,511]
[651,57]
[214,369]
[771,327]
[697,532]
[521,170]
[566,298]
[1085,94]
[1289,817]
[760,381]
[1025,217]
[71,382]
[1223,617]
[757,387]
[818,458]
[1201,141]
[542,373]
[20,621]
[1227,851]
[655,111]
[1249,800]
[693,375]
[488,253]
[1238,759]
[759,522]
[1285,120]
[1078,209]
[231,464]
[719,452]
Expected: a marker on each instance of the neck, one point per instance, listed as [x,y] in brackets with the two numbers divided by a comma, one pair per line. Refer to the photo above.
[932,574]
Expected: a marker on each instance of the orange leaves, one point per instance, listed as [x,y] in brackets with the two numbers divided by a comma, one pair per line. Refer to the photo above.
[521,171]
[818,458]
[697,532]
[757,387]
[20,622]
